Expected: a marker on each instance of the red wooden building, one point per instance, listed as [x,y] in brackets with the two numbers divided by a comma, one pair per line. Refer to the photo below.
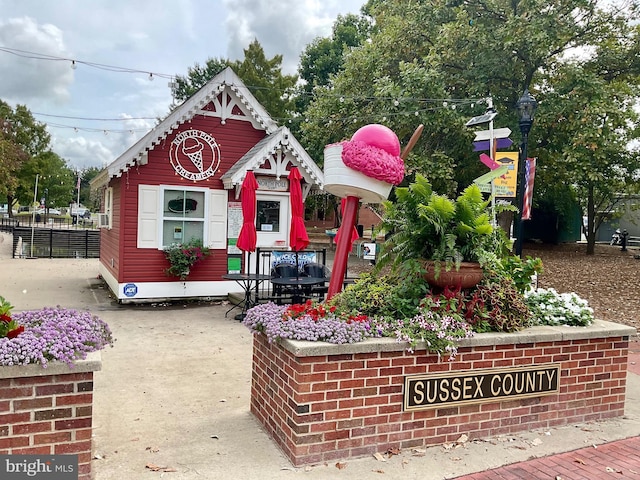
[182,180]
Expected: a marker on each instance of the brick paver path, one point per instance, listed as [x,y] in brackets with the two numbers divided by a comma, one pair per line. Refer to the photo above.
[619,460]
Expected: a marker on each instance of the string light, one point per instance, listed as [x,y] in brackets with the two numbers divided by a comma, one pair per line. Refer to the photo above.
[76,62]
[429,103]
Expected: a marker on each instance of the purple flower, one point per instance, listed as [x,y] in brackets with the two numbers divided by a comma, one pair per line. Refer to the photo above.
[268,318]
[54,334]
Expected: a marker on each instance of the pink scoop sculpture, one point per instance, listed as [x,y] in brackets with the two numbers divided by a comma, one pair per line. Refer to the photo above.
[362,169]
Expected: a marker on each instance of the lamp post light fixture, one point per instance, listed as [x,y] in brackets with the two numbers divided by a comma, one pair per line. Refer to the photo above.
[526,106]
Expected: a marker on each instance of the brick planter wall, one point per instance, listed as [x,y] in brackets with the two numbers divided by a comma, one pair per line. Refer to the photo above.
[49,411]
[322,402]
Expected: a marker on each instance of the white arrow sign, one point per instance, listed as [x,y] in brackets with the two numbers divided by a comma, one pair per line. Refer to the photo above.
[497,133]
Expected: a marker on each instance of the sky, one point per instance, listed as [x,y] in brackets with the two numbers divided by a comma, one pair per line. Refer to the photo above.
[126,51]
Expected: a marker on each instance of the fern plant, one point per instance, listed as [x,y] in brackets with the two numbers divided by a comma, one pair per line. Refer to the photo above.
[425,225]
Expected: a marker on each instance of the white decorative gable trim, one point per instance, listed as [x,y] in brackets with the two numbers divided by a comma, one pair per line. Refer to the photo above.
[227,89]
[271,156]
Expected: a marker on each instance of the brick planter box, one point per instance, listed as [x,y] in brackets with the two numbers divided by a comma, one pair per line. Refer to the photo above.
[321,402]
[46,411]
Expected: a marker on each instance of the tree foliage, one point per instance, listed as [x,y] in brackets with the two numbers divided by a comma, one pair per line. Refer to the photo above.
[324,56]
[421,56]
[263,77]
[21,137]
[55,180]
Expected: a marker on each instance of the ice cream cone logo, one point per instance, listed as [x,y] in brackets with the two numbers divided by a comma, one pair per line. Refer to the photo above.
[192,148]
[194,155]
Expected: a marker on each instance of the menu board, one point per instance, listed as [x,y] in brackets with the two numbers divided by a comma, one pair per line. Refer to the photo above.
[234,225]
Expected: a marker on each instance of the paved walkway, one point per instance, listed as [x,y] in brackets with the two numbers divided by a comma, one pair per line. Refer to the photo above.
[619,459]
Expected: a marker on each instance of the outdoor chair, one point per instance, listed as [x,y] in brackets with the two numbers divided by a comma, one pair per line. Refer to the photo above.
[284,270]
[317,270]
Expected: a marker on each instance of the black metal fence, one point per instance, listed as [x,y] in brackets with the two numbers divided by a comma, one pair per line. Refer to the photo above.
[8,224]
[55,243]
[52,221]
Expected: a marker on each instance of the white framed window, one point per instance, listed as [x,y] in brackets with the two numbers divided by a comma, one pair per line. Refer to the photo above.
[183,215]
[173,214]
[105,219]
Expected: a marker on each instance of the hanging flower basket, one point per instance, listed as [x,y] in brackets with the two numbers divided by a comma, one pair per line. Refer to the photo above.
[183,256]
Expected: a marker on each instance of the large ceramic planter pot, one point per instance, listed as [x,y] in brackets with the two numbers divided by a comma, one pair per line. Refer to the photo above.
[469,275]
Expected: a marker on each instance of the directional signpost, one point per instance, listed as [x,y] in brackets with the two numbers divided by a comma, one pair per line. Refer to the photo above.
[491,140]
[486,144]
[488,161]
[488,177]
[492,134]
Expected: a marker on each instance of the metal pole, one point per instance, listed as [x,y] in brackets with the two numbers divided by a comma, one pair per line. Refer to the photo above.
[492,154]
[78,202]
[343,247]
[33,214]
[524,128]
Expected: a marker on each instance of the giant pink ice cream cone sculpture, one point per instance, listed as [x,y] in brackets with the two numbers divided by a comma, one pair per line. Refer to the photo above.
[362,169]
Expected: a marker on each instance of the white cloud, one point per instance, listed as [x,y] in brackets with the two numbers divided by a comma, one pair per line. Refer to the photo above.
[284,27]
[82,152]
[144,35]
[25,79]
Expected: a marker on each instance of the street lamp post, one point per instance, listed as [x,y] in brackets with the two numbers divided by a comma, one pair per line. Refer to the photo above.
[526,106]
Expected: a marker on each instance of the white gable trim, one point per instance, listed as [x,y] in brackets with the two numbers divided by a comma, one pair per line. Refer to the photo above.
[225,80]
[280,149]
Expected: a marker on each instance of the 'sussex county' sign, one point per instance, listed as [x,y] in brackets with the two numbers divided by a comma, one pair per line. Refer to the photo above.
[476,386]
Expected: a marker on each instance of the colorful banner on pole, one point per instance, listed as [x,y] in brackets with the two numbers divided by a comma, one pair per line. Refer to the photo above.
[529,177]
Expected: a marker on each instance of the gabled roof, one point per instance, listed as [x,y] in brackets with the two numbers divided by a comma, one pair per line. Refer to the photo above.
[283,140]
[137,153]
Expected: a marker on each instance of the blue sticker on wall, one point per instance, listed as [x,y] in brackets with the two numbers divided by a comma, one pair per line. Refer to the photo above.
[130,289]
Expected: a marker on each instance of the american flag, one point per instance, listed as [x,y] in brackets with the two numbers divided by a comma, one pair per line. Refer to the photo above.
[78,185]
[529,176]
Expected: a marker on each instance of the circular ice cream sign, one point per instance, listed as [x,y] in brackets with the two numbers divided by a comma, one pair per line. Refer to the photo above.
[194,155]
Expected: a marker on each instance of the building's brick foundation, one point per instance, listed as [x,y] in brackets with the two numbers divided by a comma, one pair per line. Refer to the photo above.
[323,402]
[48,411]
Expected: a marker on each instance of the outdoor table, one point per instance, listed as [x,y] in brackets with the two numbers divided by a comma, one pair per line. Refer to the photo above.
[298,284]
[249,282]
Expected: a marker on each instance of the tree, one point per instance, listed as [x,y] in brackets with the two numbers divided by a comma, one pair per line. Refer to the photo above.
[262,76]
[11,158]
[593,123]
[86,197]
[56,181]
[324,56]
[21,137]
[265,80]
[420,52]
[197,76]
[388,80]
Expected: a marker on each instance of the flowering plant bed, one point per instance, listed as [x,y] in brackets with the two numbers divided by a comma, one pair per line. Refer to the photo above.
[309,321]
[439,322]
[50,334]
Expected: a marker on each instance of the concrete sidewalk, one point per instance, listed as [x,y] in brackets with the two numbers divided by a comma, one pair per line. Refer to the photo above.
[173,394]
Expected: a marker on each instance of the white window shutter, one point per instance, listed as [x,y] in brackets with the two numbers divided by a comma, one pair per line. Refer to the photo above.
[148,216]
[218,219]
